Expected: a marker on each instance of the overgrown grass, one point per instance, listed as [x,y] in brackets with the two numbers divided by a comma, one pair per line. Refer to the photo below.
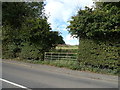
[70,64]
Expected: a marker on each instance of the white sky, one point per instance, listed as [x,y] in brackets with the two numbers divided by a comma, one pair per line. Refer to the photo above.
[60,11]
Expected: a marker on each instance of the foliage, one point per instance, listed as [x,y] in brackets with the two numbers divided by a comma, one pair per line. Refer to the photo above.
[15,13]
[14,16]
[39,38]
[98,57]
[101,23]
[72,65]
[101,56]
[99,32]
[26,32]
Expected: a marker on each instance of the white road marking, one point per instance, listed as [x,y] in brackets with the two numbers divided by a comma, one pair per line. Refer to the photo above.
[18,85]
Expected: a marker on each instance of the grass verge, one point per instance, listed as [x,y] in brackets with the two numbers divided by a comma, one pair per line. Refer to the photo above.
[70,65]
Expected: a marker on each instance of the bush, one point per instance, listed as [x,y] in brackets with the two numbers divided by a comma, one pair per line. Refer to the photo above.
[10,51]
[102,55]
[30,52]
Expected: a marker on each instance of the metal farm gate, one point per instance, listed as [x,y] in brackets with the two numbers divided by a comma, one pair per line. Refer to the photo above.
[60,56]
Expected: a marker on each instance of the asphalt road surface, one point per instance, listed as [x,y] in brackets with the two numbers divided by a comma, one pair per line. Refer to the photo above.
[20,76]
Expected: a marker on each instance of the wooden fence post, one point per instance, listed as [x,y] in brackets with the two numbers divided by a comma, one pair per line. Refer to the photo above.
[51,55]
[45,56]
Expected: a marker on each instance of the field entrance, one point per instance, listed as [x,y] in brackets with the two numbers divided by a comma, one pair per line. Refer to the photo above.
[60,56]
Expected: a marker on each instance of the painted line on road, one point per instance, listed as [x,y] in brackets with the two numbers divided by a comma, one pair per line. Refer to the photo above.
[18,85]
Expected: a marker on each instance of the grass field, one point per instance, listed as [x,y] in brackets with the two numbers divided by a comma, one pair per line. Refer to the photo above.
[67,47]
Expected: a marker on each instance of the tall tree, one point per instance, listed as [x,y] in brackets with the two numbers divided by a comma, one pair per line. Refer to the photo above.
[15,13]
[102,22]
[26,32]
[99,32]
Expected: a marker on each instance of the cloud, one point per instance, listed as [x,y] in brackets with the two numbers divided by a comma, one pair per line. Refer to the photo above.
[71,40]
[69,37]
[60,11]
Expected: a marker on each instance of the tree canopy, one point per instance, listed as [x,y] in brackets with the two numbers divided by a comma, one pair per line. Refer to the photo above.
[98,30]
[26,30]
[15,13]
[101,22]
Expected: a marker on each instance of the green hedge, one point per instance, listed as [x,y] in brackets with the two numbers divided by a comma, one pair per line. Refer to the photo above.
[102,55]
[10,51]
[26,51]
[30,52]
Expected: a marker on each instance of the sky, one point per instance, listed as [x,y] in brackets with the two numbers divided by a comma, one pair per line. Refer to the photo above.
[60,12]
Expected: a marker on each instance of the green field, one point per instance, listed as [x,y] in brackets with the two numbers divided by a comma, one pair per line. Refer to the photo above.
[67,47]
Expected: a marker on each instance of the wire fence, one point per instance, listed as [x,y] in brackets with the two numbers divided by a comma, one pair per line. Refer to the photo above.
[60,56]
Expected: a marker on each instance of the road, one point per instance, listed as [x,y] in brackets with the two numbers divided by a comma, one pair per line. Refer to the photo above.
[21,76]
